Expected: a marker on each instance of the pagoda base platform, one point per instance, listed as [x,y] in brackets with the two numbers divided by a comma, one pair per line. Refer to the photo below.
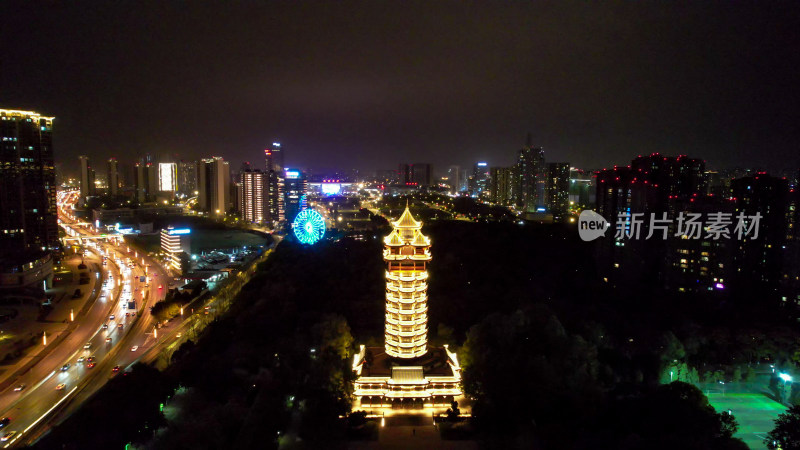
[431,380]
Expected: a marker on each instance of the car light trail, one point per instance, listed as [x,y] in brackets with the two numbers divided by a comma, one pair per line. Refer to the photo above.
[42,417]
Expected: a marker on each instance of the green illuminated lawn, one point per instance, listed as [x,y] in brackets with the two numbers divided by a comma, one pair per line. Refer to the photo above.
[755,414]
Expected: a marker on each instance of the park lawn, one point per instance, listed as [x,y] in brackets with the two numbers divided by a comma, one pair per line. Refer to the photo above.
[755,414]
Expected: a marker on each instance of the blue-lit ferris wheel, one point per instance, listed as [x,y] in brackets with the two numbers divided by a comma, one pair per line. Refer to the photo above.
[308,226]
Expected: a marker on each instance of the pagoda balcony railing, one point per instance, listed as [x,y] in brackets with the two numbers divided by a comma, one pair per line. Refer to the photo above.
[406,354]
[407,275]
[387,255]
[406,345]
[392,309]
[421,332]
[394,298]
[419,288]
[420,321]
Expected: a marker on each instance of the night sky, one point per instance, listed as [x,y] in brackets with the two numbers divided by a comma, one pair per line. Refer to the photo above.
[368,85]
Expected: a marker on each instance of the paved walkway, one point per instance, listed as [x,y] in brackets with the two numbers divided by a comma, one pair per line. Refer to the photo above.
[410,432]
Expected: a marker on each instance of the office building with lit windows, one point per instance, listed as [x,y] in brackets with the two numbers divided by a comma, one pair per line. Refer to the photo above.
[168,177]
[252,207]
[113,177]
[406,372]
[557,190]
[295,190]
[214,179]
[273,160]
[27,181]
[530,178]
[187,178]
[174,242]
[28,224]
[501,184]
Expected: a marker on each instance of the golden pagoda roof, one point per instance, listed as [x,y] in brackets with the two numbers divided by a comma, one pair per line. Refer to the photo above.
[393,238]
[407,220]
[420,239]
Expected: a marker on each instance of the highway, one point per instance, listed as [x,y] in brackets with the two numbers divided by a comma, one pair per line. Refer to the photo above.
[50,389]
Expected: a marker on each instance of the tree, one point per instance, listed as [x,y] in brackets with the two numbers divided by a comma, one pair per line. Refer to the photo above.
[334,335]
[786,433]
[453,412]
[737,375]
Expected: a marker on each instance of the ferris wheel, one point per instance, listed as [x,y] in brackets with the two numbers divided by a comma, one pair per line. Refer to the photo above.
[309,226]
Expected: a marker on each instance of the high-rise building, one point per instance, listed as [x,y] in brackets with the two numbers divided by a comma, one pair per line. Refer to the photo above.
[113,177]
[479,181]
[168,178]
[214,186]
[406,372]
[581,190]
[187,178]
[273,158]
[27,182]
[454,178]
[422,174]
[418,174]
[501,185]
[530,177]
[557,190]
[404,176]
[650,184]
[252,205]
[146,182]
[761,259]
[653,185]
[87,178]
[295,189]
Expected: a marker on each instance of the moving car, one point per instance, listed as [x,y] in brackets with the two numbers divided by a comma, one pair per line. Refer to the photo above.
[111,317]
[108,340]
[65,367]
[4,421]
[134,348]
[87,346]
[115,369]
[90,365]
[90,359]
[61,387]
[105,326]
[8,436]
[81,359]
[19,388]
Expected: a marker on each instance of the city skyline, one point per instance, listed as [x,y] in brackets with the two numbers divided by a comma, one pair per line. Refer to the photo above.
[399,225]
[593,84]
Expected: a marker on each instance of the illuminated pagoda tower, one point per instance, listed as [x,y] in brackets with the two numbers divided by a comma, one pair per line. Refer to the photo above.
[405,372]
[407,253]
